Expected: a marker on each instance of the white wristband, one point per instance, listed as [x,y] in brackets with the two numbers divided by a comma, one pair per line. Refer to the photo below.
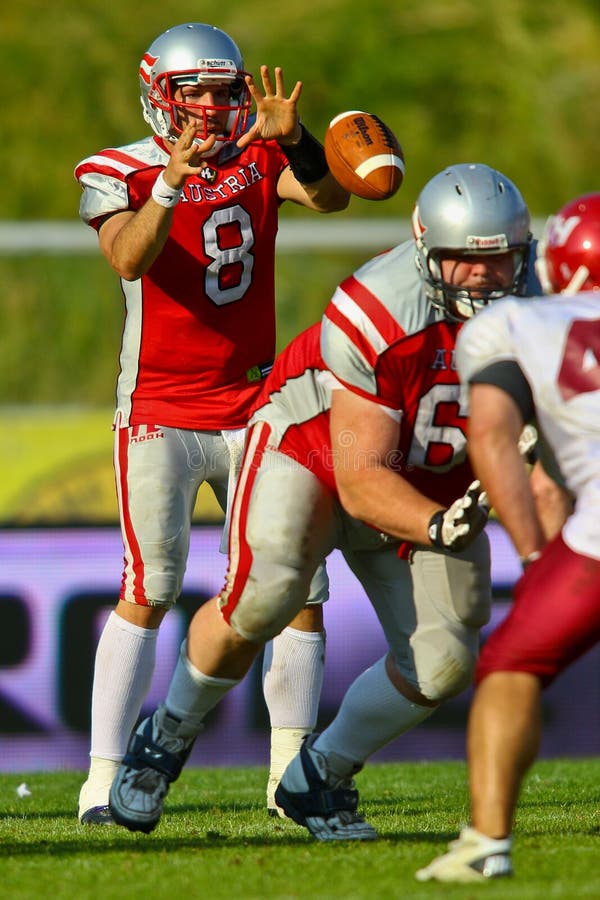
[163,194]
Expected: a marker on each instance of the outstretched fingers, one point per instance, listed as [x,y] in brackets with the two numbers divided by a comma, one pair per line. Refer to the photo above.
[280,86]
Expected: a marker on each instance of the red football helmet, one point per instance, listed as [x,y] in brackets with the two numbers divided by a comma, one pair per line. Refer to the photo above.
[568,256]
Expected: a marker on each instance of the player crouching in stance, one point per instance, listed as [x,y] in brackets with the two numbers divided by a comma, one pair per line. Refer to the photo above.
[358,441]
[529,360]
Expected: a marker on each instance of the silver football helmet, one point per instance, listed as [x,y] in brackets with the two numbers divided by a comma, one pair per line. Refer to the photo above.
[193,53]
[469,209]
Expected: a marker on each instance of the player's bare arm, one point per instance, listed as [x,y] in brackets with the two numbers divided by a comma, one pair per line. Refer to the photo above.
[131,241]
[324,195]
[554,504]
[494,430]
[277,119]
[364,443]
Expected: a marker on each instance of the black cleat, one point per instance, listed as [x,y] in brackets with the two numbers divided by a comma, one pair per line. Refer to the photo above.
[97,815]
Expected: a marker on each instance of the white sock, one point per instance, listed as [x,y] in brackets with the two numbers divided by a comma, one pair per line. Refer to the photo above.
[293,666]
[123,672]
[292,673]
[192,694]
[95,789]
[372,713]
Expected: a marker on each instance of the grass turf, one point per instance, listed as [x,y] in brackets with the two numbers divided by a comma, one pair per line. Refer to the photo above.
[216,841]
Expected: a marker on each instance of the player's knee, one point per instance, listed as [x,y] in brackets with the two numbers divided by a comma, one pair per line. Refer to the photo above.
[271,598]
[446,671]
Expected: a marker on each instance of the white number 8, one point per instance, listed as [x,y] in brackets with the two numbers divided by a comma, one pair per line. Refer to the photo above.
[240,255]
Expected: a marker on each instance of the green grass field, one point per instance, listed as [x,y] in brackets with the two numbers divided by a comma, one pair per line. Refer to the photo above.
[215,840]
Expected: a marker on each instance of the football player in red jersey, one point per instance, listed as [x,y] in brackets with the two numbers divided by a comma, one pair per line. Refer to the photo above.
[358,441]
[524,360]
[188,217]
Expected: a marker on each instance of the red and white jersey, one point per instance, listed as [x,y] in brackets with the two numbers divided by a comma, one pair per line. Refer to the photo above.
[381,338]
[199,328]
[556,343]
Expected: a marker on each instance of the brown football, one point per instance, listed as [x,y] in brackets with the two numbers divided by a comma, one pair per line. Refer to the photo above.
[364,155]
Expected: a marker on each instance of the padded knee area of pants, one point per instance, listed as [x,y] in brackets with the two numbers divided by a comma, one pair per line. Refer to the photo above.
[444,665]
[273,594]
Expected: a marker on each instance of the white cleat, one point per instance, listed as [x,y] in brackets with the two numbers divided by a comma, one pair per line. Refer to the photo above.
[472,857]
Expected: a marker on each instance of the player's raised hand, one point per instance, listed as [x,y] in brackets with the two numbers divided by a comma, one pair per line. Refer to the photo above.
[186,156]
[456,527]
[276,114]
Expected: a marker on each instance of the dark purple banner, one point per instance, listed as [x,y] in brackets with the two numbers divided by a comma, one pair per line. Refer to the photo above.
[57,587]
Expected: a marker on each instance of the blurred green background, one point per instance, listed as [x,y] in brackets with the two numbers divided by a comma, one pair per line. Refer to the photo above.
[513,84]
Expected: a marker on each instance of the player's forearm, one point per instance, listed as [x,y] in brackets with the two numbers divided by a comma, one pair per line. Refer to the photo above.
[139,242]
[500,468]
[364,439]
[495,426]
[382,498]
[553,503]
[326,195]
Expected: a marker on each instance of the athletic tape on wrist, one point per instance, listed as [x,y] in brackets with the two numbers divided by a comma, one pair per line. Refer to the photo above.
[163,194]
[306,158]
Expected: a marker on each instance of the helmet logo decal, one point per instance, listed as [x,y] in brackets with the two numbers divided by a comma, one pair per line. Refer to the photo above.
[223,68]
[489,242]
[146,65]
[561,229]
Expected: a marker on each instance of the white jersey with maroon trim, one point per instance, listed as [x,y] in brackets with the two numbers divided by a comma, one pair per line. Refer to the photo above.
[199,330]
[381,338]
[556,343]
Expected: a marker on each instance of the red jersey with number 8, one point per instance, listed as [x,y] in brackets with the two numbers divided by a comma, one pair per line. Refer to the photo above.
[199,330]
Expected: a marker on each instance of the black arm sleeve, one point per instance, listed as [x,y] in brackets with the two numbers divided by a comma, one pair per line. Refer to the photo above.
[508,375]
[306,158]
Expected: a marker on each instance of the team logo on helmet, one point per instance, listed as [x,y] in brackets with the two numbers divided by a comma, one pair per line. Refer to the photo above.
[147,64]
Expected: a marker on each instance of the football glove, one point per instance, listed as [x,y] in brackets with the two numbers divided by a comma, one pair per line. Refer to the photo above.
[456,527]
